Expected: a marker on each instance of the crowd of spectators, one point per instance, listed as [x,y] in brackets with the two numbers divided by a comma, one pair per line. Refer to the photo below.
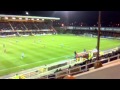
[24,25]
[5,26]
[43,25]
[30,26]
[18,26]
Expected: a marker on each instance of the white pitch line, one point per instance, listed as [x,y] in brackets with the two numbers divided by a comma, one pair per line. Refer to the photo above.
[33,63]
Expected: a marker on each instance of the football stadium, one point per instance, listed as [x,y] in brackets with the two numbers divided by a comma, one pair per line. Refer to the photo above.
[31,47]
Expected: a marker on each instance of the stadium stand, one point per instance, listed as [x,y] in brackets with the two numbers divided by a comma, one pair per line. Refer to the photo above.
[5,26]
[30,25]
[17,26]
[39,27]
[25,25]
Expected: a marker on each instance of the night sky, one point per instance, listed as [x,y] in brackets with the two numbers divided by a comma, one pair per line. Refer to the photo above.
[88,17]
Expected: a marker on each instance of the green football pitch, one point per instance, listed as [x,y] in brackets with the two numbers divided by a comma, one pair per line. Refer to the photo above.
[43,50]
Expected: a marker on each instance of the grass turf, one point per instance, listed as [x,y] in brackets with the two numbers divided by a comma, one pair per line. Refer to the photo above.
[41,50]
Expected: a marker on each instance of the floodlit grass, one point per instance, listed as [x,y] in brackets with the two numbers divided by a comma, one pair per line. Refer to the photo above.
[41,50]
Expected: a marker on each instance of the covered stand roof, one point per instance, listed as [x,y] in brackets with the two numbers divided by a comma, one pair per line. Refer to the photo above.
[28,17]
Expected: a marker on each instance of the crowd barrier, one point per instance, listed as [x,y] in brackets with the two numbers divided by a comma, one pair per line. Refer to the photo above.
[80,69]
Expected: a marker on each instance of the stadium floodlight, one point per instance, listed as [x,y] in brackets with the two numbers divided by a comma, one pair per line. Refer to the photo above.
[63,12]
[37,19]
[26,18]
[42,19]
[6,17]
[20,18]
[26,13]
[13,18]
[62,25]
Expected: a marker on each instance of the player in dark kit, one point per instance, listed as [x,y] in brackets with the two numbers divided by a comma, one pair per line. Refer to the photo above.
[5,50]
[84,50]
[75,54]
[3,45]
[22,55]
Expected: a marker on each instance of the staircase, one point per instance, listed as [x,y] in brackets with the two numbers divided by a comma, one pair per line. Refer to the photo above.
[53,29]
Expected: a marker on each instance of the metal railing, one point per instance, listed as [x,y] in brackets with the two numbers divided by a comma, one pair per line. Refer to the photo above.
[78,69]
[73,70]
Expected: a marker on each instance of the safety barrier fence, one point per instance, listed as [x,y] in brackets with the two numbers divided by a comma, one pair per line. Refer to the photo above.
[80,69]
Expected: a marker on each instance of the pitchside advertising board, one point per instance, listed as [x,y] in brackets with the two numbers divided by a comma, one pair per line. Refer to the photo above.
[93,28]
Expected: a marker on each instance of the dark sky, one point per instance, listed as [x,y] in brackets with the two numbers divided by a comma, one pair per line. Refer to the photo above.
[89,17]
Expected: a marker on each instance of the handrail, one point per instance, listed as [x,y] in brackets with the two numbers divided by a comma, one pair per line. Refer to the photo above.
[68,70]
[36,76]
